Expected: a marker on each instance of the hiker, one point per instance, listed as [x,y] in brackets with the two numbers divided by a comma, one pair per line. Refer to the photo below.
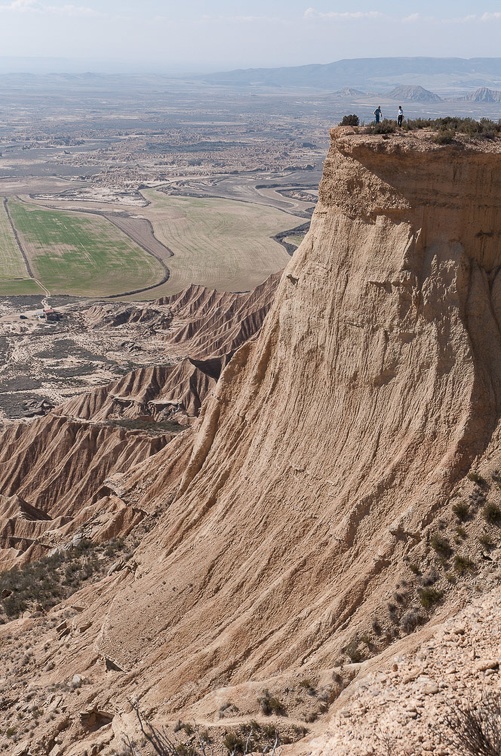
[378,114]
[400,115]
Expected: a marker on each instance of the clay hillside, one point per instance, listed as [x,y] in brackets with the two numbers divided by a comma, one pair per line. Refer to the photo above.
[312,565]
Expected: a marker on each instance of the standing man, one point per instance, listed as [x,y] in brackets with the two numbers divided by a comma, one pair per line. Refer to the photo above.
[378,114]
[400,115]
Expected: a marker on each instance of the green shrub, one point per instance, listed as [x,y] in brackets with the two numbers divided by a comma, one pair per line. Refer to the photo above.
[441,545]
[444,136]
[384,127]
[483,129]
[44,583]
[475,730]
[429,597]
[350,120]
[411,619]
[463,564]
[234,743]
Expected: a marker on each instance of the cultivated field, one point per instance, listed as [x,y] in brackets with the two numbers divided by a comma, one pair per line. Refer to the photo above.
[221,244]
[14,276]
[82,255]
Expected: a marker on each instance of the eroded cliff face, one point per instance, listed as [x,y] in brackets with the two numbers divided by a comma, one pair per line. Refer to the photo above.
[371,390]
[329,446]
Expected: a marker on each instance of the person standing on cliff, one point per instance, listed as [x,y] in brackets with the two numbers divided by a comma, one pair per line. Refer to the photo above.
[400,116]
[378,114]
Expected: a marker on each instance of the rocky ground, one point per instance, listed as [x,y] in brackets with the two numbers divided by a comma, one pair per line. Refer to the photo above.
[409,706]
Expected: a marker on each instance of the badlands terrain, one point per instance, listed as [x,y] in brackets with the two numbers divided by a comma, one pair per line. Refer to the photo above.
[246,511]
[284,536]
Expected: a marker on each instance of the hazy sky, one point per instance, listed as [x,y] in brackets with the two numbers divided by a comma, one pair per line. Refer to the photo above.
[206,35]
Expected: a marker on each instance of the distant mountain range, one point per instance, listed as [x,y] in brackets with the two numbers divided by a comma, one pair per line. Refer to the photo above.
[419,80]
[376,74]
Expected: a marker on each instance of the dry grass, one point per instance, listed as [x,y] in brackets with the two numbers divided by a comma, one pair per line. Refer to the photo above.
[221,244]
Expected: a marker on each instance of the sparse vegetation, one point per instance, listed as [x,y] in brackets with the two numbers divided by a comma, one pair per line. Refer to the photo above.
[148,425]
[475,729]
[350,120]
[444,136]
[476,478]
[353,651]
[486,541]
[271,705]
[383,127]
[39,585]
[429,597]
[411,619]
[441,545]
[463,564]
[492,513]
[461,510]
[482,129]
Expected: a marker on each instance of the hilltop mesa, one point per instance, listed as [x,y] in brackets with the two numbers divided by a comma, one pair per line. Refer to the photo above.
[327,530]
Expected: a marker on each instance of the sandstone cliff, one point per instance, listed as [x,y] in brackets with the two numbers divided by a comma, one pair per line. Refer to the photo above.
[326,460]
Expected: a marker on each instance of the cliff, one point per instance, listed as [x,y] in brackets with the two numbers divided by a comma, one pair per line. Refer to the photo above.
[326,460]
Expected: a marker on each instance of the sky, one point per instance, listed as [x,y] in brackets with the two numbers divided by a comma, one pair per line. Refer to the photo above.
[217,35]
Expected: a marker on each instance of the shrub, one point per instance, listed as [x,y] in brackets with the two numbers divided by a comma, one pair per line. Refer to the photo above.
[353,651]
[476,729]
[486,541]
[271,705]
[308,686]
[477,497]
[411,619]
[234,743]
[376,626]
[492,513]
[476,478]
[483,129]
[461,510]
[463,564]
[444,136]
[441,545]
[414,568]
[384,127]
[429,597]
[350,120]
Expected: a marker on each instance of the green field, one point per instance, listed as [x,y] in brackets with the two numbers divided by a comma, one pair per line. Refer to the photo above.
[81,255]
[14,277]
[221,244]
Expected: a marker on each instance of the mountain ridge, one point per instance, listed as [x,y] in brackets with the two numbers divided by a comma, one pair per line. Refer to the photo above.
[367,73]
